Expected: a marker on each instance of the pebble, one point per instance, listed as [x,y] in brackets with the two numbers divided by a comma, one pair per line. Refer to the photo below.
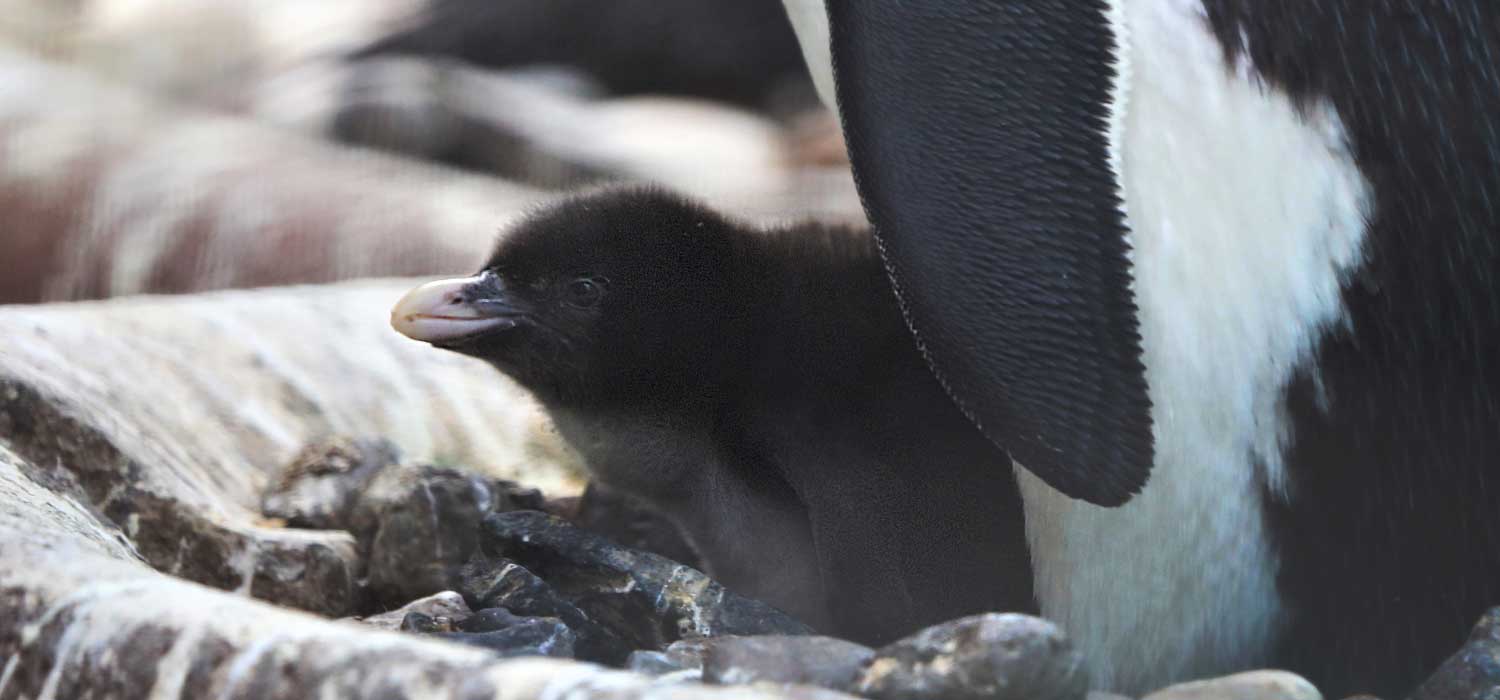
[1250,685]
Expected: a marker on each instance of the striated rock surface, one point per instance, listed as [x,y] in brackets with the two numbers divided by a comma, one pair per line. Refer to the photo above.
[498,583]
[81,622]
[1473,673]
[136,440]
[446,604]
[996,656]
[421,524]
[321,485]
[647,599]
[1250,685]
[682,660]
[809,660]
[167,418]
[529,636]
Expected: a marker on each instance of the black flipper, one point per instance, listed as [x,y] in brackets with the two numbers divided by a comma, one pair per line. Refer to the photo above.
[978,134]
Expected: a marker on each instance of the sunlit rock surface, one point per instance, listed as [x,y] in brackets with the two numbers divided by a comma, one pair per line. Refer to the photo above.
[136,437]
[167,417]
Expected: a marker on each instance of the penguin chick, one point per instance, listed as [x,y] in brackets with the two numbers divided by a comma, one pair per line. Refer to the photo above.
[761,389]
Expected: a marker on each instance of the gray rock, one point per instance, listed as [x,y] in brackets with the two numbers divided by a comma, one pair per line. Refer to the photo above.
[415,524]
[446,604]
[654,663]
[422,623]
[1473,673]
[689,652]
[96,465]
[83,452]
[1250,685]
[491,620]
[807,660]
[421,525]
[495,582]
[648,600]
[631,522]
[81,615]
[492,582]
[534,636]
[991,657]
[681,659]
[239,383]
[320,485]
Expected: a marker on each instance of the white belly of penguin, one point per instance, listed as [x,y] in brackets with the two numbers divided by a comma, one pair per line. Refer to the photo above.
[1244,215]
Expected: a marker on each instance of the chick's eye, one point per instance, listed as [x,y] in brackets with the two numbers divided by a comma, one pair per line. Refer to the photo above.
[584,292]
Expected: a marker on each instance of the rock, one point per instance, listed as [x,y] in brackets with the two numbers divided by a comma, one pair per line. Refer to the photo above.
[240,383]
[648,600]
[689,652]
[1101,695]
[114,490]
[536,636]
[421,524]
[1250,685]
[446,604]
[83,450]
[496,582]
[422,623]
[1473,673]
[993,657]
[492,582]
[82,615]
[682,659]
[313,571]
[632,523]
[321,484]
[425,526]
[807,660]
[491,620]
[565,507]
[653,663]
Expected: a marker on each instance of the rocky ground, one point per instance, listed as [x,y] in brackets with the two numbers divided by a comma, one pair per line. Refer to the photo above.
[184,514]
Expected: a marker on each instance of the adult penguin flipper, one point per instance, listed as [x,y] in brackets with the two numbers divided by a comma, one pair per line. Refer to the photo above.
[981,139]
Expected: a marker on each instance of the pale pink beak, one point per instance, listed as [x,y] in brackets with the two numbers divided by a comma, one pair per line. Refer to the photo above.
[445,311]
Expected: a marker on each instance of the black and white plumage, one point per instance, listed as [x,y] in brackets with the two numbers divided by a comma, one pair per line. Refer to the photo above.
[1222,276]
[760,388]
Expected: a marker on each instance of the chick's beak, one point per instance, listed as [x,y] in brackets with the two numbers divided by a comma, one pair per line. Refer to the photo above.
[449,310]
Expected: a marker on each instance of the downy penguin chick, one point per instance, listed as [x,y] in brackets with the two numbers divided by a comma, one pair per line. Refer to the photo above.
[759,387]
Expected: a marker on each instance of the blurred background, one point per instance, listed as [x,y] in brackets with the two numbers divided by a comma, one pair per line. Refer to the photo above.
[170,146]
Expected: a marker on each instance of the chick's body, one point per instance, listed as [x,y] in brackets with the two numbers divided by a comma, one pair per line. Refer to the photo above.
[761,389]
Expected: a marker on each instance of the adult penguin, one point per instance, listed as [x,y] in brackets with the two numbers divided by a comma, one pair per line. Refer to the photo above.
[1221,275]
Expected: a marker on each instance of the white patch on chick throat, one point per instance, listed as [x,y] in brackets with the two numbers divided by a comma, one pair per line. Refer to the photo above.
[1245,215]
